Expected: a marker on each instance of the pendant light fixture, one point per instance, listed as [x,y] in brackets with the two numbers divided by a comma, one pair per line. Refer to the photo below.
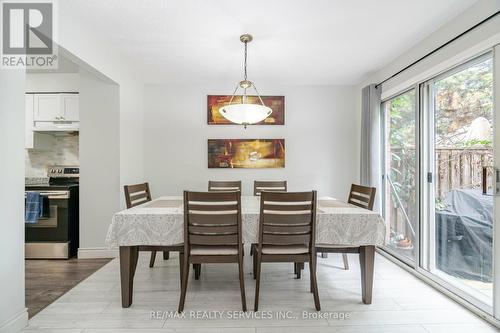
[245,113]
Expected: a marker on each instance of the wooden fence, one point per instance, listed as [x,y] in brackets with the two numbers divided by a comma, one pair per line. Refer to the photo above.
[455,169]
[462,168]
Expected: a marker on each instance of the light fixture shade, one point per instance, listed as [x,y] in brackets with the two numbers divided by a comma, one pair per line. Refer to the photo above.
[245,114]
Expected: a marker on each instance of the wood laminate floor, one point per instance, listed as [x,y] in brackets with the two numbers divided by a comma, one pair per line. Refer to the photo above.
[401,302]
[47,280]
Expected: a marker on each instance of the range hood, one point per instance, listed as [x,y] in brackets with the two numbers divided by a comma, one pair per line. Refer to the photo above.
[56,126]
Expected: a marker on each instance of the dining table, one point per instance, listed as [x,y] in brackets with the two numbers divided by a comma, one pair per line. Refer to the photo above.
[160,223]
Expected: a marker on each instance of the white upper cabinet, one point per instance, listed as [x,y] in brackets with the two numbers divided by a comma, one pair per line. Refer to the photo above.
[47,107]
[56,107]
[70,107]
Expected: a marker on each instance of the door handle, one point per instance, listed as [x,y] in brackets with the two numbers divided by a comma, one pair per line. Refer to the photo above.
[429,177]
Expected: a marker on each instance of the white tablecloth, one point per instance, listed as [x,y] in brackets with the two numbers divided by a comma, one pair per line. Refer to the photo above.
[160,222]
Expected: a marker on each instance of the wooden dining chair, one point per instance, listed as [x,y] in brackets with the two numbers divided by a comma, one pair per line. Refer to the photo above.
[212,234]
[361,196]
[275,186]
[139,194]
[218,186]
[224,186]
[286,234]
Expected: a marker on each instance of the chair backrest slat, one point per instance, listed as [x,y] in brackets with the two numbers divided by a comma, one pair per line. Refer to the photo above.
[218,240]
[362,196]
[212,218]
[137,194]
[287,218]
[291,229]
[224,186]
[285,239]
[275,186]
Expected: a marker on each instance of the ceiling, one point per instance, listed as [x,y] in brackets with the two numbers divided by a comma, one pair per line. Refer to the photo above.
[295,41]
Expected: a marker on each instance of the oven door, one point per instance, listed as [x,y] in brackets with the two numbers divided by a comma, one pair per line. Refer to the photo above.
[49,237]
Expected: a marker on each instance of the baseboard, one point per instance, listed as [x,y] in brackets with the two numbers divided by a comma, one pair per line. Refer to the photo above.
[97,252]
[16,324]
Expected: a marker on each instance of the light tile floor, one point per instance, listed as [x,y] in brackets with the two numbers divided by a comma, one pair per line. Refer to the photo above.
[401,302]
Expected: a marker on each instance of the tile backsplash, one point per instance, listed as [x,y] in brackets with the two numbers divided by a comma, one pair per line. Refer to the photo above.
[64,151]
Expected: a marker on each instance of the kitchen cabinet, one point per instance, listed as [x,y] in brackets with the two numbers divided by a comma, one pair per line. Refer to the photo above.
[56,107]
[47,107]
[46,113]
[53,112]
[70,107]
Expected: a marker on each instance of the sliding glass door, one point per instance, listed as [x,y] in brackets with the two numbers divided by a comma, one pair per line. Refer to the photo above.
[459,225]
[400,177]
[438,178]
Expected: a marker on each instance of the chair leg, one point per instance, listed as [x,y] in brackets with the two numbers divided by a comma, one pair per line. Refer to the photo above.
[314,282]
[242,284]
[166,255]
[300,267]
[197,271]
[184,282]
[254,266]
[181,266]
[257,283]
[345,260]
[152,259]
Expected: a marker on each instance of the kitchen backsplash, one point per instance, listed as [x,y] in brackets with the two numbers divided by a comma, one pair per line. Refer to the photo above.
[63,152]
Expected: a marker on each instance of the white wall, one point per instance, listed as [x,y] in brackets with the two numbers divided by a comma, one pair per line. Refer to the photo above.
[85,48]
[13,315]
[318,132]
[85,43]
[99,159]
[52,82]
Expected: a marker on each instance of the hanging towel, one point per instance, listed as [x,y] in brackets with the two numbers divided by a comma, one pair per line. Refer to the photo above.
[33,207]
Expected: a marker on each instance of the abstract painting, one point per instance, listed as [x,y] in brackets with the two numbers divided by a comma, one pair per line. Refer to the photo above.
[276,103]
[246,153]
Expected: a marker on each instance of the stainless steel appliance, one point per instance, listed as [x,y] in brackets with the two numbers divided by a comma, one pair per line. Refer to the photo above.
[56,236]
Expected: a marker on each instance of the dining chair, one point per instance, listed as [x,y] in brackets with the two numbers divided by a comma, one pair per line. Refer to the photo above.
[139,194]
[218,186]
[266,185]
[275,186]
[224,186]
[361,196]
[212,234]
[287,228]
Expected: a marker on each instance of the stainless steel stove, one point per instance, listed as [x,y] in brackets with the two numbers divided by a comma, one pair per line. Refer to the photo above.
[56,236]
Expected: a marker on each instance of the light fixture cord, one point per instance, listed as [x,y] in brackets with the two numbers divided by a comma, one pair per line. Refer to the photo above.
[246,60]
[245,76]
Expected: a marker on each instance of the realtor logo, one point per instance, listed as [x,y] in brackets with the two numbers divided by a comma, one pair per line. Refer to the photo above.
[27,35]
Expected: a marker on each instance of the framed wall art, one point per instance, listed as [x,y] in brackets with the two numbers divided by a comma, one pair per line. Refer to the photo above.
[246,153]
